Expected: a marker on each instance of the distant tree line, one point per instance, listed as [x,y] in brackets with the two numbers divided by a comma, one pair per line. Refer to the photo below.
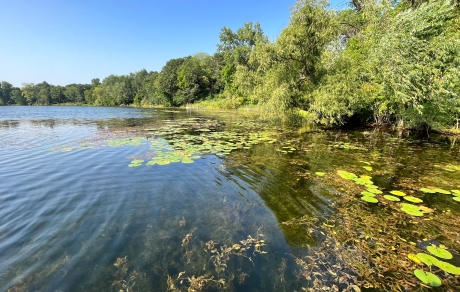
[383,61]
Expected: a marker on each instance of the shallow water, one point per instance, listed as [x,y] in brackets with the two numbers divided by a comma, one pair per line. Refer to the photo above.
[75,217]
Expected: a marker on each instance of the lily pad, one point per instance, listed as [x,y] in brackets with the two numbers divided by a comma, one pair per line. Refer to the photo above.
[346,174]
[369,194]
[427,259]
[398,193]
[441,191]
[449,268]
[428,278]
[413,199]
[456,199]
[319,173]
[368,168]
[428,191]
[374,191]
[439,252]
[411,209]
[369,199]
[414,258]
[392,198]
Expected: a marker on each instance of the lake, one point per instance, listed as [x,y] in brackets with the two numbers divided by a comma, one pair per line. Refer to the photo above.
[125,199]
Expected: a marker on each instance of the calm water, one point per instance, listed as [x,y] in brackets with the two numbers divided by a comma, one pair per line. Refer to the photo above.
[75,217]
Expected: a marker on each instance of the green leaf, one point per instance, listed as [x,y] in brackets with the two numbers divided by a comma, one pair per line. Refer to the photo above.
[428,278]
[411,209]
[428,191]
[319,173]
[346,175]
[398,193]
[441,191]
[449,268]
[392,198]
[369,199]
[374,191]
[427,259]
[412,199]
[439,252]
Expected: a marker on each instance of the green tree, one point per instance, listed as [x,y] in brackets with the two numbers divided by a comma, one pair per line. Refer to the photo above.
[5,92]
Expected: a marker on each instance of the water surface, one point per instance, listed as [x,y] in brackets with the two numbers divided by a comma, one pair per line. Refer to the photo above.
[258,217]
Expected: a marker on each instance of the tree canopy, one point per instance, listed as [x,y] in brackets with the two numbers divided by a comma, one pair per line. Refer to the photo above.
[394,62]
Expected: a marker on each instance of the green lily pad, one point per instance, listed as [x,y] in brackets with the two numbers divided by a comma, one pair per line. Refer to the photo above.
[392,198]
[346,174]
[368,168]
[456,199]
[428,191]
[427,259]
[439,252]
[369,194]
[374,191]
[455,192]
[369,199]
[398,193]
[449,268]
[319,173]
[411,209]
[441,191]
[413,199]
[428,278]
[136,163]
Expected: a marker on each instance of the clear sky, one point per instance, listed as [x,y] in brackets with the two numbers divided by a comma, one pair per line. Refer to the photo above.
[73,41]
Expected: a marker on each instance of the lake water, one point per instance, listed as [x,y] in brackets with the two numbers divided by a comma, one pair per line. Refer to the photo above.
[123,199]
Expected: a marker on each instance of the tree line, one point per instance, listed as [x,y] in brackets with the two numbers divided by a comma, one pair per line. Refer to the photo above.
[383,61]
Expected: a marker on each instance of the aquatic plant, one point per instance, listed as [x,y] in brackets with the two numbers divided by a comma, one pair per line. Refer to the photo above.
[413,199]
[369,199]
[398,193]
[439,252]
[428,278]
[346,175]
[411,209]
[392,198]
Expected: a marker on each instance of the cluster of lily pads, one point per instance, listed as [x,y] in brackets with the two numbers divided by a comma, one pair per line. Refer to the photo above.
[456,193]
[429,260]
[348,146]
[364,180]
[175,145]
[369,195]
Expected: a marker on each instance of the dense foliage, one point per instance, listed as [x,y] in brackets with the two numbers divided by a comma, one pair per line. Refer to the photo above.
[377,62]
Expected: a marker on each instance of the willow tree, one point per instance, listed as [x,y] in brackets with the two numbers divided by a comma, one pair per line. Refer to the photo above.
[289,68]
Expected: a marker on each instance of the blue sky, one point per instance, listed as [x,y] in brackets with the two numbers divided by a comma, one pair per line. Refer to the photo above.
[68,41]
